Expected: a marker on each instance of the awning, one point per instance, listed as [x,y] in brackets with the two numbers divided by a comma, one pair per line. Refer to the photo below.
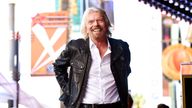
[178,9]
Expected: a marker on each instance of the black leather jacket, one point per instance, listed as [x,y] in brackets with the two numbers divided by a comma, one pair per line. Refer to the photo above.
[72,67]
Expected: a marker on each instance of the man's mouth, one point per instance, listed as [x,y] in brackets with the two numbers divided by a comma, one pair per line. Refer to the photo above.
[97,30]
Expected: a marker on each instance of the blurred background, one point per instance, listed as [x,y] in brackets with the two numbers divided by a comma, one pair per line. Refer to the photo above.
[34,32]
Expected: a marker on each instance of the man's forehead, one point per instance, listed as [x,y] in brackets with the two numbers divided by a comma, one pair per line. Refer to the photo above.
[95,15]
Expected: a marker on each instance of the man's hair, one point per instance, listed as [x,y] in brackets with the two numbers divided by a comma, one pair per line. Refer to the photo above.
[162,106]
[84,18]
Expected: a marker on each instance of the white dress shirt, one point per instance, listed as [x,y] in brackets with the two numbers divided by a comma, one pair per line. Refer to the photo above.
[101,87]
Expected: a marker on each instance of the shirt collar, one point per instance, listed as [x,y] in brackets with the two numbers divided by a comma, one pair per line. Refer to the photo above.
[91,44]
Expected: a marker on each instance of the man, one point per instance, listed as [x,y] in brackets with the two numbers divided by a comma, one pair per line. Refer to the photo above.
[92,72]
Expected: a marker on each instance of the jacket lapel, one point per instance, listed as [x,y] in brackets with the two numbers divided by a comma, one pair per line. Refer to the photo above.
[87,44]
[116,49]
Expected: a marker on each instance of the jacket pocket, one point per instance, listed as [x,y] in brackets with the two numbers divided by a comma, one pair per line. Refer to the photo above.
[78,65]
[77,69]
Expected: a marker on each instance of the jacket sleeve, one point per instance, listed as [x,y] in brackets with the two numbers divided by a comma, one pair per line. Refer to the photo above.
[61,65]
[128,57]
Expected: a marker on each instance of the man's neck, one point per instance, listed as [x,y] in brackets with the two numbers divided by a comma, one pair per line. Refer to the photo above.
[100,42]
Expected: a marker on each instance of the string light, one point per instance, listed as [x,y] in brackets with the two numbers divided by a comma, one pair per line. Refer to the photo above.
[176,4]
[173,16]
[186,8]
[181,6]
[181,10]
[170,1]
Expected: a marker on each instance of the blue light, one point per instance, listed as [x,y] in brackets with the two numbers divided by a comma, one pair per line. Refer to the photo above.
[187,8]
[176,4]
[181,6]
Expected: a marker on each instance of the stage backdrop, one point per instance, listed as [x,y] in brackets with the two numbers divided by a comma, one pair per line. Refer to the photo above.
[49,37]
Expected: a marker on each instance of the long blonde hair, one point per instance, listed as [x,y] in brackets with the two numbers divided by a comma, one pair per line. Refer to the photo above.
[84,18]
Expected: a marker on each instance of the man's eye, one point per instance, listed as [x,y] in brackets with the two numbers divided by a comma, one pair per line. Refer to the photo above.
[100,20]
[90,22]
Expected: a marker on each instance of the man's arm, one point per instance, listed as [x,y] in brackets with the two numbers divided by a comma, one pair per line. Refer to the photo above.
[61,65]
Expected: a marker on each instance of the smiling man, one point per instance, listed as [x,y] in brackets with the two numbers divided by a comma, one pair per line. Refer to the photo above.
[92,72]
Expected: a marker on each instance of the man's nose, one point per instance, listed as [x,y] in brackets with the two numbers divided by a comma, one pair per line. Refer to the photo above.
[95,22]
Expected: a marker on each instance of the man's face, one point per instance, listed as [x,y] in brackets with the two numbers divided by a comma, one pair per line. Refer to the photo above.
[96,26]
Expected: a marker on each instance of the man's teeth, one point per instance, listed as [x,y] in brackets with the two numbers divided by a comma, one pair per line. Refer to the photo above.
[97,30]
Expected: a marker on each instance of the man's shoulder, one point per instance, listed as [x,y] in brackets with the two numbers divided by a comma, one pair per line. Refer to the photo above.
[117,41]
[77,43]
[77,40]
